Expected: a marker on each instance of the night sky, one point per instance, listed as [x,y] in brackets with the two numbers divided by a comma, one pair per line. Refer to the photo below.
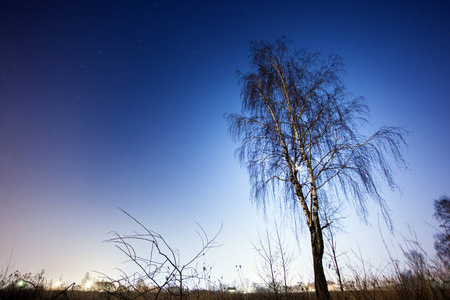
[107,104]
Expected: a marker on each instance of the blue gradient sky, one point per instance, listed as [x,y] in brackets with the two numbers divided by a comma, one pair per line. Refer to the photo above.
[120,103]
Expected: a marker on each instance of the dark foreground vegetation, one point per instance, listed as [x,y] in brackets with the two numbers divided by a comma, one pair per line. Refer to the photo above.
[391,293]
[416,283]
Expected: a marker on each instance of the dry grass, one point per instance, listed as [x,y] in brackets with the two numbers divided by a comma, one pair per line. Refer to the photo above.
[394,293]
[416,278]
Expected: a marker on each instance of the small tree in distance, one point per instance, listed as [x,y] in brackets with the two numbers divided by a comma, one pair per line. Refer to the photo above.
[300,140]
[442,243]
[276,261]
[331,247]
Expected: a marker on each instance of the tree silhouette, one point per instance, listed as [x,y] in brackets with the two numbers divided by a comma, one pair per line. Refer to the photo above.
[299,138]
[442,239]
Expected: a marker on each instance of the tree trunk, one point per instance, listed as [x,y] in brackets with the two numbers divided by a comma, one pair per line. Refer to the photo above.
[320,280]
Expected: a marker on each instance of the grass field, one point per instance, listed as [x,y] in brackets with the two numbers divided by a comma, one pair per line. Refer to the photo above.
[394,294]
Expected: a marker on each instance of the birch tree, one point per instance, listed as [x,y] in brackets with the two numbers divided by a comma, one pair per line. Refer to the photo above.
[300,139]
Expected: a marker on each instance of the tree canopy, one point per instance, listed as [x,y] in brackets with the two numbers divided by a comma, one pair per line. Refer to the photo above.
[299,123]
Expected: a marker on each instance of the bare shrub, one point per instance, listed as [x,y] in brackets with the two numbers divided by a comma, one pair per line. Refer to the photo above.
[161,269]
